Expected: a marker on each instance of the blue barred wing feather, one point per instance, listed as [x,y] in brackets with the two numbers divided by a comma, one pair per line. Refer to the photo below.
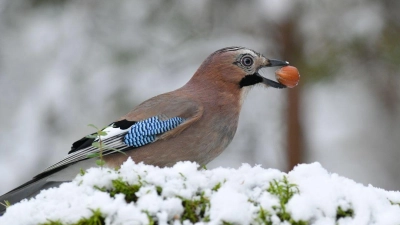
[146,131]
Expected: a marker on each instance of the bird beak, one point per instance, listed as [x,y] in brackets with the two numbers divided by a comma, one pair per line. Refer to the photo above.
[272,63]
[275,62]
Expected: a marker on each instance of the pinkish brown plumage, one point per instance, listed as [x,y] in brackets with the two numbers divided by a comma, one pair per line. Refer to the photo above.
[198,121]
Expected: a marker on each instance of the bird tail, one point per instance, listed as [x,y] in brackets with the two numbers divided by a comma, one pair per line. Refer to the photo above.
[45,180]
[26,191]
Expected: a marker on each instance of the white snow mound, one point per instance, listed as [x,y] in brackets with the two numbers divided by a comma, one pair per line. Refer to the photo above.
[185,194]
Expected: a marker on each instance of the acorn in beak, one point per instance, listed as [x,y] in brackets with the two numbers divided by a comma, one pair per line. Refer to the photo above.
[272,63]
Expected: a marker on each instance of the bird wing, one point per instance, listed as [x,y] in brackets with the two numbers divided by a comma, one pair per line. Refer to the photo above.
[161,117]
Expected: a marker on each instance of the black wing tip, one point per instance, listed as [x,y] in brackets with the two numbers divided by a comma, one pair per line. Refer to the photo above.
[81,144]
[87,142]
[123,124]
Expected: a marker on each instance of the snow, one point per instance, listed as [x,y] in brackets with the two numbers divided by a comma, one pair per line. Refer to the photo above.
[235,196]
[231,206]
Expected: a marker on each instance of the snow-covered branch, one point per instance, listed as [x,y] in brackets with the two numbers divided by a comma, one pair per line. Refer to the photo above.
[185,194]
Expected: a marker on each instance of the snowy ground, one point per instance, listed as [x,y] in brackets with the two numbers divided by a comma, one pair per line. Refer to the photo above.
[184,194]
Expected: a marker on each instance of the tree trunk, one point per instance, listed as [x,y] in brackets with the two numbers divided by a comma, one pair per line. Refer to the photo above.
[291,51]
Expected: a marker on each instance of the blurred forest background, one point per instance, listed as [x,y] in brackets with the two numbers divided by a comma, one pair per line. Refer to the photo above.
[65,64]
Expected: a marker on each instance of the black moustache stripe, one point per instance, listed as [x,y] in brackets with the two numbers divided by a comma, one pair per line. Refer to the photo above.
[250,80]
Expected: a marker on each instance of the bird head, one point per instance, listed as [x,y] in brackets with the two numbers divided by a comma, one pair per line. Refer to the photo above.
[238,67]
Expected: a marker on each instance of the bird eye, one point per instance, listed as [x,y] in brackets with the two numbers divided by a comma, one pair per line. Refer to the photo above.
[247,61]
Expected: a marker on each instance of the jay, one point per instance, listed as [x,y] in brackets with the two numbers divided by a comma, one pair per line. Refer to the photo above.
[193,123]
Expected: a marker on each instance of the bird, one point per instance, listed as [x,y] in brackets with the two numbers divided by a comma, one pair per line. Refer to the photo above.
[193,123]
